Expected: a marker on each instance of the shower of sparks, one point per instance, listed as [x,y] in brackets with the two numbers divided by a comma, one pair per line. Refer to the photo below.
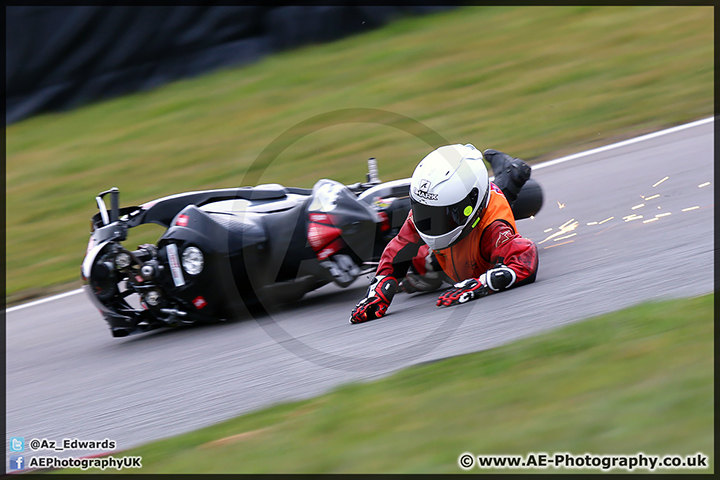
[654,196]
[547,230]
[704,184]
[561,205]
[660,181]
[638,206]
[592,223]
[662,214]
[691,208]
[558,244]
[606,220]
[650,220]
[566,227]
[566,223]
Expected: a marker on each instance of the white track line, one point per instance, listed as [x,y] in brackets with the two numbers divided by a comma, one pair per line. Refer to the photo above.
[43,300]
[624,143]
[549,163]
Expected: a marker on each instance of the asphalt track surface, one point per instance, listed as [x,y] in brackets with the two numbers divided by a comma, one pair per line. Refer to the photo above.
[68,378]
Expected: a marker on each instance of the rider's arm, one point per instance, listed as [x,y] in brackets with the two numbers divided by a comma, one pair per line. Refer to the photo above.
[500,244]
[515,263]
[399,252]
[394,264]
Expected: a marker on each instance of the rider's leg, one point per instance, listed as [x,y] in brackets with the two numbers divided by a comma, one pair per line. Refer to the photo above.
[510,173]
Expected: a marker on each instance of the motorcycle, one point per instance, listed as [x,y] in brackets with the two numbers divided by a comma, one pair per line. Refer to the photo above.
[228,252]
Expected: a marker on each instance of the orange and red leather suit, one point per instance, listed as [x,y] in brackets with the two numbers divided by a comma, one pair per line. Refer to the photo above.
[494,240]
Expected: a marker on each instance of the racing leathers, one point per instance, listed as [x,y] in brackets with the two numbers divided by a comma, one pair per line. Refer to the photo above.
[492,257]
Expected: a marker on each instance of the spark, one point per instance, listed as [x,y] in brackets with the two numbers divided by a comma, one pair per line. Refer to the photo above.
[566,236]
[592,223]
[654,196]
[704,184]
[564,228]
[532,217]
[638,206]
[659,207]
[691,208]
[558,244]
[632,217]
[663,214]
[561,205]
[660,181]
[547,230]
[650,220]
[606,220]
[566,223]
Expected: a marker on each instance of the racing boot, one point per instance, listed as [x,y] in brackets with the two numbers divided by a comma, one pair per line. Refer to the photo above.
[510,173]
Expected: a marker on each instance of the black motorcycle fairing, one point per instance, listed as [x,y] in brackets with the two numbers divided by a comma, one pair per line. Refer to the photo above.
[391,200]
[226,241]
[357,220]
[289,234]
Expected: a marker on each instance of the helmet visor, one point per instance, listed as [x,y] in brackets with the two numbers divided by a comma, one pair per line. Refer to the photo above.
[434,220]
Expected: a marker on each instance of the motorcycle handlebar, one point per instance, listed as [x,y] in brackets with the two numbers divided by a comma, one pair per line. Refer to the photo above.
[145,252]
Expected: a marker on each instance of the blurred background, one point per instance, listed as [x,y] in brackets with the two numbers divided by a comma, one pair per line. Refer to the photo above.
[62,57]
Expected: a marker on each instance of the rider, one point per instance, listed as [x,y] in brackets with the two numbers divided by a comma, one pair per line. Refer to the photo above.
[466,222]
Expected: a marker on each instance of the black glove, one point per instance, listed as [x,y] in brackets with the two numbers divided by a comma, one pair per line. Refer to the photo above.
[377,300]
[462,292]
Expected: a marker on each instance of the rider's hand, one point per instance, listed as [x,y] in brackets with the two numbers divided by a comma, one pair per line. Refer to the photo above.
[462,292]
[377,300]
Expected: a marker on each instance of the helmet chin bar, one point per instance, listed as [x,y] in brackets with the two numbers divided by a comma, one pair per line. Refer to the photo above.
[465,230]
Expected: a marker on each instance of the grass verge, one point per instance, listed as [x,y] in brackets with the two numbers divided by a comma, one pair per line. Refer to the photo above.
[532,81]
[637,380]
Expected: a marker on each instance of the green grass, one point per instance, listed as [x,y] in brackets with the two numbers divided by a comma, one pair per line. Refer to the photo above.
[637,380]
[533,81]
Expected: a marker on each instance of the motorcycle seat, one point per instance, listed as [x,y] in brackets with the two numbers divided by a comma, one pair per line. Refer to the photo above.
[269,191]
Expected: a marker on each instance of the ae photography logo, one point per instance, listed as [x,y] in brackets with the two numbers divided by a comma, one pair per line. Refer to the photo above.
[587,461]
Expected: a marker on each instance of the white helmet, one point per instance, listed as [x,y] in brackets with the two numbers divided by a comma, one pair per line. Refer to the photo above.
[449,191]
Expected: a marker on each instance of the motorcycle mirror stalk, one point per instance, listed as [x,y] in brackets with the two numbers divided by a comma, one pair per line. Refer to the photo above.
[372,176]
[119,230]
[114,205]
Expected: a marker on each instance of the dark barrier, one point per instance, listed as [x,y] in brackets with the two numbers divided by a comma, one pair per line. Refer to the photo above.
[60,57]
